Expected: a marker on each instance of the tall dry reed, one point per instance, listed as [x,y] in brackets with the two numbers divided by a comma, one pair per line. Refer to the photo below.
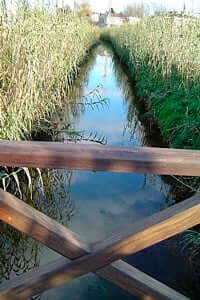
[40,54]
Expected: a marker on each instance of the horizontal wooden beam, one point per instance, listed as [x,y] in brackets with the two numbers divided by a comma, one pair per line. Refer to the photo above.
[100,158]
[143,234]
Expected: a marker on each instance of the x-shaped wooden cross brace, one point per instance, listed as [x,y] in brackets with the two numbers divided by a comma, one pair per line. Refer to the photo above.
[102,258]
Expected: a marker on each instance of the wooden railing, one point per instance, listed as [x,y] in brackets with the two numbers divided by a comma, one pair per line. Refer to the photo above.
[103,258]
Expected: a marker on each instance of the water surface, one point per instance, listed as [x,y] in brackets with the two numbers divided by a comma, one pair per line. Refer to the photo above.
[105,203]
[97,204]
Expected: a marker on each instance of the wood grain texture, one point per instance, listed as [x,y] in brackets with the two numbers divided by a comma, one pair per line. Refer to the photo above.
[138,283]
[60,239]
[120,273]
[100,158]
[141,235]
[53,235]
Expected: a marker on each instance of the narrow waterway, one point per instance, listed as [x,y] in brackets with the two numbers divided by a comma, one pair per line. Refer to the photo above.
[105,203]
[97,204]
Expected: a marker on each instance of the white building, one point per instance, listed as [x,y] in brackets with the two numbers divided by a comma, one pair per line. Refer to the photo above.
[95,17]
[110,19]
[133,20]
[114,19]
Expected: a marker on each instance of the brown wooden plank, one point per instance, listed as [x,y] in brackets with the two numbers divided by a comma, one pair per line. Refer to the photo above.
[53,235]
[138,283]
[100,158]
[57,237]
[143,234]
[120,273]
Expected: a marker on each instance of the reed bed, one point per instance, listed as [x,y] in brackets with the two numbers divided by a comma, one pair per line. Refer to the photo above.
[40,55]
[163,55]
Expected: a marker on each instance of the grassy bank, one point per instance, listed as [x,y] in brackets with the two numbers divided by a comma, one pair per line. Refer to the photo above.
[40,56]
[163,55]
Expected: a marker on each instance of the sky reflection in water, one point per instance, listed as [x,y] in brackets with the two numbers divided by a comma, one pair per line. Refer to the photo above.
[108,202]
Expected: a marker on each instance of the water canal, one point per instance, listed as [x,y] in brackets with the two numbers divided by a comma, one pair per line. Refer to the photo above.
[97,204]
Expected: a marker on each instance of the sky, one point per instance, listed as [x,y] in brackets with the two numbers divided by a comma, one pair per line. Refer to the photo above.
[192,6]
[118,5]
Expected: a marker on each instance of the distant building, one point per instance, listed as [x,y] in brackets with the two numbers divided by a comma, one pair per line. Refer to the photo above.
[95,17]
[114,19]
[102,20]
[133,19]
[110,19]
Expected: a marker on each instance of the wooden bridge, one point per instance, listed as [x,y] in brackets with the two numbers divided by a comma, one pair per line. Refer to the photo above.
[104,258]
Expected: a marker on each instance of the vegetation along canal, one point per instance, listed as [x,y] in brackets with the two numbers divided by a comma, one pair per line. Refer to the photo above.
[96,204]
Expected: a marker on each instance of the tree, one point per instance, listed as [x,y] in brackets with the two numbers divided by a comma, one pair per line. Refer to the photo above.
[85,10]
[112,10]
[159,9]
[135,10]
[76,6]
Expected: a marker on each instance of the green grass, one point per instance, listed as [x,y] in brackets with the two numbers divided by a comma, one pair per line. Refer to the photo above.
[163,55]
[40,55]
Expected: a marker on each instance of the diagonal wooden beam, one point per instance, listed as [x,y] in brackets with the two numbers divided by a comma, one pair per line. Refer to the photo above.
[120,273]
[57,237]
[145,233]
[47,231]
[138,283]
[100,158]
